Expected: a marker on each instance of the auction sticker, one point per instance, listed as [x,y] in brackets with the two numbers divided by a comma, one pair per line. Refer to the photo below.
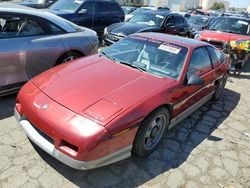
[170,48]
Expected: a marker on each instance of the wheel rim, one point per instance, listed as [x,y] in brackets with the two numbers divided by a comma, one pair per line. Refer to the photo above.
[221,86]
[154,132]
[69,58]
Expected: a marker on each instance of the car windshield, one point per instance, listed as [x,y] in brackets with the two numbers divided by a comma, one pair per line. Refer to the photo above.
[198,20]
[231,25]
[157,57]
[137,11]
[66,5]
[150,19]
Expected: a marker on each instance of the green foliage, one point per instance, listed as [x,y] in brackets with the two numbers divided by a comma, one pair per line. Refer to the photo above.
[218,6]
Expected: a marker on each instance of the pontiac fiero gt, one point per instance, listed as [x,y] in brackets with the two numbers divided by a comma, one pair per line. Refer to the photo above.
[98,110]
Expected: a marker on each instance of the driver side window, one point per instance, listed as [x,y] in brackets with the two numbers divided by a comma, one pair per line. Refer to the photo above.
[200,62]
[19,26]
[170,20]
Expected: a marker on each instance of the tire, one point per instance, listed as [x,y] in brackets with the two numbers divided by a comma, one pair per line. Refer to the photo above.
[220,87]
[68,56]
[151,131]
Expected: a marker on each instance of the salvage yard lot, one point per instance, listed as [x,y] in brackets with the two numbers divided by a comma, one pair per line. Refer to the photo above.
[211,148]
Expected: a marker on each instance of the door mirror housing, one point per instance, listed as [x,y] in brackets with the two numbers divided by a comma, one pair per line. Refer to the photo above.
[50,2]
[83,11]
[195,80]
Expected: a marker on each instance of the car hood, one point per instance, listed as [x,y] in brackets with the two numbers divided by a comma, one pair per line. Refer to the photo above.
[127,28]
[98,88]
[221,36]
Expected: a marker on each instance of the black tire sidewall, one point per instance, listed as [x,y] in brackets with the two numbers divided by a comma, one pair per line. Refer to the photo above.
[215,96]
[138,144]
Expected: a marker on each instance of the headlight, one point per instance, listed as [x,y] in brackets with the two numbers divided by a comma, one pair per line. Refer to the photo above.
[105,30]
[85,127]
[197,36]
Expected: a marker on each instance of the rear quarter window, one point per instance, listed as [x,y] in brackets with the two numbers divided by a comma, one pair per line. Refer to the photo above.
[115,8]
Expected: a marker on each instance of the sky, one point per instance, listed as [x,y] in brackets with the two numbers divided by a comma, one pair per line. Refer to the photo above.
[239,3]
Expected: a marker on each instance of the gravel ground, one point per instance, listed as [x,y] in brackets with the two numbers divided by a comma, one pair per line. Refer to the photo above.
[211,148]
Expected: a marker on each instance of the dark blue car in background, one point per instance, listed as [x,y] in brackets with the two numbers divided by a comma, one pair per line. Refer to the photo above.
[94,14]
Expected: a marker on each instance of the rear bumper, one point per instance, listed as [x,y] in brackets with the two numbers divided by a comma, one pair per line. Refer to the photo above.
[48,147]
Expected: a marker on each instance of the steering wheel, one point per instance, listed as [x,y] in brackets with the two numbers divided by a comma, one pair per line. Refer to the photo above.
[168,65]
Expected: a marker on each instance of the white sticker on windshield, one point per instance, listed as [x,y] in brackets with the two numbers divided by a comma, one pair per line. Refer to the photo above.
[242,22]
[159,16]
[170,48]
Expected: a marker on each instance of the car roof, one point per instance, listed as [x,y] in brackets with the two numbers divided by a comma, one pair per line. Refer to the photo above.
[18,9]
[183,41]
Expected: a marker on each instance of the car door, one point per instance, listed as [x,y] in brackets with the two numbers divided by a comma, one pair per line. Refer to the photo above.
[84,16]
[43,45]
[103,16]
[191,96]
[12,55]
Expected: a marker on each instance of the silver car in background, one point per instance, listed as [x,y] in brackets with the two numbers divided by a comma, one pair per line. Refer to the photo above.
[32,41]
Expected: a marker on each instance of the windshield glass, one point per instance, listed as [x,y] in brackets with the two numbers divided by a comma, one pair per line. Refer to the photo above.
[231,25]
[148,19]
[139,10]
[198,20]
[66,5]
[156,57]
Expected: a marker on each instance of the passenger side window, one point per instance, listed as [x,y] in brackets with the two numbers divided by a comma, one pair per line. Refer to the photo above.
[55,29]
[15,26]
[102,7]
[216,56]
[114,8]
[200,62]
[170,20]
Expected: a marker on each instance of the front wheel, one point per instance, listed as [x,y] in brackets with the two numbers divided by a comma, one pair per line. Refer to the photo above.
[151,132]
[220,87]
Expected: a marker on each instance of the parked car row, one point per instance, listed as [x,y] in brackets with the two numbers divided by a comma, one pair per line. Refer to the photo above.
[112,103]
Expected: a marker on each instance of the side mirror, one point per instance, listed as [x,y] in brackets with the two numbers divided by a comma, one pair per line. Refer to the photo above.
[195,80]
[83,11]
[50,2]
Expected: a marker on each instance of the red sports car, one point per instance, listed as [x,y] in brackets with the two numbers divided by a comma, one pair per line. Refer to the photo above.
[97,110]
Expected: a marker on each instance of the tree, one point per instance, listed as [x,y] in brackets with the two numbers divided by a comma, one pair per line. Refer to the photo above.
[218,6]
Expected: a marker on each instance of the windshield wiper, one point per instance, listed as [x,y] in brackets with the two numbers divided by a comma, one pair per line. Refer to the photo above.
[133,66]
[108,56]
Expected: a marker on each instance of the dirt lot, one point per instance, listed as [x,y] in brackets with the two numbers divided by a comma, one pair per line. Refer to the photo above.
[211,148]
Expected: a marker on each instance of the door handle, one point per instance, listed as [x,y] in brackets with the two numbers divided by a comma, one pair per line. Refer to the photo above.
[50,44]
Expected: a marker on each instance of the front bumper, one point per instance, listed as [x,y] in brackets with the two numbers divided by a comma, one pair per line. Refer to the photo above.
[48,147]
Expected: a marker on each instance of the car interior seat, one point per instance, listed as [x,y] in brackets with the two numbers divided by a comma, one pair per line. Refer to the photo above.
[29,27]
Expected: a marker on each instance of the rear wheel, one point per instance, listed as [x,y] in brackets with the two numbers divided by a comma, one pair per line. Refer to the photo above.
[151,131]
[68,56]
[220,87]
